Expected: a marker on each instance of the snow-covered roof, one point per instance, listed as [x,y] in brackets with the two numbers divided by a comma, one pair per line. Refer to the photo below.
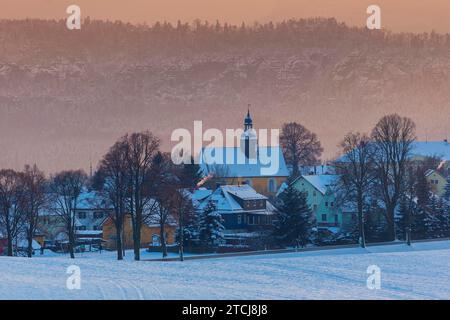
[429,172]
[201,193]
[198,195]
[231,160]
[88,200]
[22,243]
[244,192]
[321,181]
[283,187]
[319,169]
[91,200]
[225,201]
[439,149]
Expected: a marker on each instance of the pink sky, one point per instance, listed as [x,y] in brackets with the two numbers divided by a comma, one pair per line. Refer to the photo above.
[397,15]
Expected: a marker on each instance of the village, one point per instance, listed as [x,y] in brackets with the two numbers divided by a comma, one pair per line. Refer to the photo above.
[137,198]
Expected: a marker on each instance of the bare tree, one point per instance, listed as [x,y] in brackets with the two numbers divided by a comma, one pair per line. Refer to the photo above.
[33,201]
[66,188]
[141,149]
[408,201]
[165,184]
[300,146]
[393,136]
[356,174]
[11,218]
[183,208]
[112,181]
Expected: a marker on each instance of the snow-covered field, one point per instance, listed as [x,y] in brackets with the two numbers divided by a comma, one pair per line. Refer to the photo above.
[420,272]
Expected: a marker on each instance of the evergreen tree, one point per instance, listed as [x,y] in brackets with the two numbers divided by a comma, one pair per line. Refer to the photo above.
[190,230]
[447,190]
[445,219]
[210,226]
[432,220]
[294,223]
[440,219]
[191,175]
[375,225]
[424,224]
[423,191]
[402,219]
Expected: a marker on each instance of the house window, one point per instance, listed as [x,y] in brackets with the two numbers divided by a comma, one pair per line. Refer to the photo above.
[326,203]
[98,215]
[272,187]
[336,218]
[239,219]
[332,204]
[315,207]
[314,193]
[80,227]
[324,217]
[81,215]
[156,240]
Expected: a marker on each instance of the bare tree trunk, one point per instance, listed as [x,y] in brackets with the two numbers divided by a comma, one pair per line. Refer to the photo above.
[362,237]
[71,244]
[30,243]
[119,246]
[408,228]
[124,244]
[10,246]
[390,223]
[162,235]
[137,240]
[181,241]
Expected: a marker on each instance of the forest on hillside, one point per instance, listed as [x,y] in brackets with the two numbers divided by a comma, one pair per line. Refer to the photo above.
[75,92]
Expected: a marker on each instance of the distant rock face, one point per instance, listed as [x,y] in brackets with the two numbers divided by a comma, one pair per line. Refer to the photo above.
[66,97]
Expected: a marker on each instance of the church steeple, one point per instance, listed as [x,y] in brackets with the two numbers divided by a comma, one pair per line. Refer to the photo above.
[249,141]
[248,122]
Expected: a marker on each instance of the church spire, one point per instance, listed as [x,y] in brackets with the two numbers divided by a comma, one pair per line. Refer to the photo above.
[248,122]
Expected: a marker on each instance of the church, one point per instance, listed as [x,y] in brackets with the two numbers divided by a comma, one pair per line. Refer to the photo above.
[247,163]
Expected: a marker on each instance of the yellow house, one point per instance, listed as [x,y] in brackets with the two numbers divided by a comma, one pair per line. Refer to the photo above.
[150,234]
[436,181]
[262,167]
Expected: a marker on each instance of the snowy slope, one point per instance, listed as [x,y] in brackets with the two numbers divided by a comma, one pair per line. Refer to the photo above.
[420,272]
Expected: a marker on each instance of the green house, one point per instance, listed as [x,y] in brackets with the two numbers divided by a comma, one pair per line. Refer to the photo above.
[321,197]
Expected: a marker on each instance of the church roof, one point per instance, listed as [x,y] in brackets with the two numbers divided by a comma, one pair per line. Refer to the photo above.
[439,149]
[231,162]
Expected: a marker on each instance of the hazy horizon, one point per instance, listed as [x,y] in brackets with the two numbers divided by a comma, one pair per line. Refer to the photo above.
[62,115]
[399,16]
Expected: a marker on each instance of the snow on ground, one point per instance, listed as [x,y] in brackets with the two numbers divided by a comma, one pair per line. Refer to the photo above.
[420,272]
